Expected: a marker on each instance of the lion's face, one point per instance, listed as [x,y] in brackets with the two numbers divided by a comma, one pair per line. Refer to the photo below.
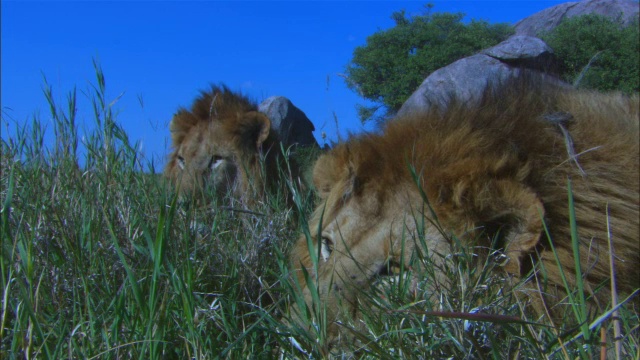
[217,146]
[205,161]
[472,176]
[362,226]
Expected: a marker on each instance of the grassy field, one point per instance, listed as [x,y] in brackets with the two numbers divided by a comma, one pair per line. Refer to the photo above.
[103,262]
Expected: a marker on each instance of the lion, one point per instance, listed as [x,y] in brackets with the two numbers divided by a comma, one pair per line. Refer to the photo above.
[494,175]
[224,145]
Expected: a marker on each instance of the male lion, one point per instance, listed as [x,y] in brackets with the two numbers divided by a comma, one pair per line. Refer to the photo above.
[493,175]
[218,146]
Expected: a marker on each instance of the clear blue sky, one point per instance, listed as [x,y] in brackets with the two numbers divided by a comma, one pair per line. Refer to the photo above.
[165,52]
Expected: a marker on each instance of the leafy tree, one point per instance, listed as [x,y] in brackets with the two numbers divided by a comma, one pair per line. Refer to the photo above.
[598,53]
[394,62]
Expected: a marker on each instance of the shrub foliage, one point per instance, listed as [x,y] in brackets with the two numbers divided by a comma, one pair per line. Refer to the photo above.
[598,53]
[393,62]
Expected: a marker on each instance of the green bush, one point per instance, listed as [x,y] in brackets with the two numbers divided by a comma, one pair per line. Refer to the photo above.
[598,53]
[394,62]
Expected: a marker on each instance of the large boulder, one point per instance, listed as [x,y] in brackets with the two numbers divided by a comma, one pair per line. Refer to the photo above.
[467,77]
[546,20]
[291,124]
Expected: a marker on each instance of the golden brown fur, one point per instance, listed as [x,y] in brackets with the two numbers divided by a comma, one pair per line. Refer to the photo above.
[218,145]
[495,168]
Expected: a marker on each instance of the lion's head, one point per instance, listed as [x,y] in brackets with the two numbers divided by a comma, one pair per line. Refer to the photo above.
[492,176]
[218,145]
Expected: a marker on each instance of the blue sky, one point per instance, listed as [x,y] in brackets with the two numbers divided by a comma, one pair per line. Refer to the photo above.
[165,52]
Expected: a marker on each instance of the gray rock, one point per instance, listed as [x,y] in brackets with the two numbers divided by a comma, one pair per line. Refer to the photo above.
[519,48]
[291,124]
[461,79]
[466,78]
[546,20]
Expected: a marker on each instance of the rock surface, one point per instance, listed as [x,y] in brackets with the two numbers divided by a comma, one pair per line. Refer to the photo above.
[467,77]
[291,124]
[546,20]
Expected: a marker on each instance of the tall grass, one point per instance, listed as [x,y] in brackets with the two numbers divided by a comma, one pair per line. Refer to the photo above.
[101,261]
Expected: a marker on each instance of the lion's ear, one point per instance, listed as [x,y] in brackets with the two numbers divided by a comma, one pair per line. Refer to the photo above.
[180,125]
[333,168]
[254,128]
[325,174]
[265,128]
[515,213]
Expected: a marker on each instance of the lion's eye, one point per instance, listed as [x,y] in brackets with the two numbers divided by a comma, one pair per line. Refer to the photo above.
[180,162]
[326,248]
[215,161]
